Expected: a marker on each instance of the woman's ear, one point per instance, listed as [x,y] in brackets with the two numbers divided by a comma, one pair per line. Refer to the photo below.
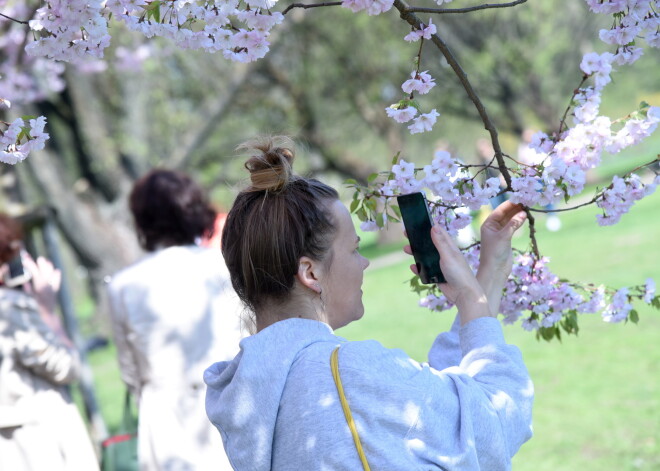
[308,274]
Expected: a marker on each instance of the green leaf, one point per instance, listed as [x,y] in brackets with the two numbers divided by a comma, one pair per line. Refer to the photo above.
[402,104]
[380,220]
[351,182]
[371,204]
[372,177]
[362,214]
[547,333]
[395,159]
[354,205]
[655,302]
[28,117]
[570,323]
[153,10]
[397,210]
[634,316]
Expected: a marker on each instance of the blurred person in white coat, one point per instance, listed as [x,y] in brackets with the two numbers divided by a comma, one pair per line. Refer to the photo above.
[173,313]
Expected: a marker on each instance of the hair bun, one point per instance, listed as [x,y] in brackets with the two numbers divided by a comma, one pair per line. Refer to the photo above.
[272,168]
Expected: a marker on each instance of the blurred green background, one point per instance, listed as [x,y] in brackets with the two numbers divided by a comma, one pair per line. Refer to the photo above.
[326,82]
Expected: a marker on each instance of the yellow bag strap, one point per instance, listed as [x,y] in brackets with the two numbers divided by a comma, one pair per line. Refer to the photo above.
[334,365]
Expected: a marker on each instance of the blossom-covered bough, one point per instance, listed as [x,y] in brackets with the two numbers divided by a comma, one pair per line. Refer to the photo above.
[555,170]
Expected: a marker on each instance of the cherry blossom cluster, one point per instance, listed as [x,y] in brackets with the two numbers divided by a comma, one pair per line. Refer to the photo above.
[69,30]
[450,184]
[632,19]
[19,139]
[240,34]
[372,7]
[25,79]
[421,82]
[557,170]
[617,199]
[557,165]
[72,30]
[538,299]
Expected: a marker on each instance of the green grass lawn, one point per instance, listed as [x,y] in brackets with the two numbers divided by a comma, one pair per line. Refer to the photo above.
[597,395]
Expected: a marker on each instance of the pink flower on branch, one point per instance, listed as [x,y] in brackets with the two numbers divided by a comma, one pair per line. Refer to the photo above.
[421,82]
[424,122]
[20,139]
[401,114]
[425,32]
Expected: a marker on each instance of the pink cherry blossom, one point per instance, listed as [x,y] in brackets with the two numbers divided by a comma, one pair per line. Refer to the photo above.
[424,122]
[401,115]
[426,32]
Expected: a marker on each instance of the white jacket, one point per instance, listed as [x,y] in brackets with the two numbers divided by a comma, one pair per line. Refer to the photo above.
[173,313]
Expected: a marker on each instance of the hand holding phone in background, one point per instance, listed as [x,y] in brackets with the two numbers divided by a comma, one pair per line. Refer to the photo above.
[14,274]
[46,281]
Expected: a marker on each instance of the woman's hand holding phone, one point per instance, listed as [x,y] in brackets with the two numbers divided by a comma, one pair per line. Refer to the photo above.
[462,287]
[494,268]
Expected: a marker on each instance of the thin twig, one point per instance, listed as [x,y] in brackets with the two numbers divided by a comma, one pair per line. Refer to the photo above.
[474,244]
[592,201]
[570,103]
[310,5]
[442,11]
[413,20]
[14,19]
[479,166]
[532,233]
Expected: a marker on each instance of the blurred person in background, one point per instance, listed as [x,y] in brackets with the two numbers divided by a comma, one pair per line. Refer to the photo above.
[40,427]
[173,313]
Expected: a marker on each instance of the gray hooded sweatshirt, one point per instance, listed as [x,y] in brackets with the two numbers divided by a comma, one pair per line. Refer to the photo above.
[277,407]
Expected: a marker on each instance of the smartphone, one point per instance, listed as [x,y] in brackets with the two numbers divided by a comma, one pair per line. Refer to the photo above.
[16,275]
[418,224]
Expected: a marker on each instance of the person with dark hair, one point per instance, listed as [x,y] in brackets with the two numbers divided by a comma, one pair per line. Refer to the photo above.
[299,397]
[40,426]
[173,312]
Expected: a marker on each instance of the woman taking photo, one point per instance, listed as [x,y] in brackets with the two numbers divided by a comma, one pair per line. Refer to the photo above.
[292,254]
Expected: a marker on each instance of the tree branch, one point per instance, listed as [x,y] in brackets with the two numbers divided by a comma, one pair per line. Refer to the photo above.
[414,21]
[310,5]
[532,233]
[442,11]
[14,19]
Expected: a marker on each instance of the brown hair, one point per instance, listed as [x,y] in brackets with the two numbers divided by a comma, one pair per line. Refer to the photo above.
[11,234]
[169,208]
[275,221]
